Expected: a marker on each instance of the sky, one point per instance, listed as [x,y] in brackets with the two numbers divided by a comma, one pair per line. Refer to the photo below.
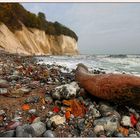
[102,28]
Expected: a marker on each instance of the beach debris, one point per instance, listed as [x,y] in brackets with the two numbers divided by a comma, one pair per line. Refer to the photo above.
[73,113]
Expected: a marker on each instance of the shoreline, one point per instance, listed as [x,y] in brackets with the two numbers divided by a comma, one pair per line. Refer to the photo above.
[31,105]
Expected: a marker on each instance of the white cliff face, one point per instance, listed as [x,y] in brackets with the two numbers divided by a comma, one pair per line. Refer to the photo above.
[33,41]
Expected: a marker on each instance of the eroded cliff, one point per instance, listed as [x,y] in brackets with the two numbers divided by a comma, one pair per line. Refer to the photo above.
[24,32]
[34,41]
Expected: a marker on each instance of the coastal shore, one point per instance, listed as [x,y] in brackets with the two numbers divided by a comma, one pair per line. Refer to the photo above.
[38,100]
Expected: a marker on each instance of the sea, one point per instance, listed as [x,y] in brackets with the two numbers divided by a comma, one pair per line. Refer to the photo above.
[129,64]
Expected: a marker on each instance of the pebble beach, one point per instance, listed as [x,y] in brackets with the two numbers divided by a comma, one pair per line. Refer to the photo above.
[44,100]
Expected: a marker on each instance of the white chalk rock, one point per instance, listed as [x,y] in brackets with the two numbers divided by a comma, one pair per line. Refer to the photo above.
[66,91]
[57,119]
[126,121]
[98,128]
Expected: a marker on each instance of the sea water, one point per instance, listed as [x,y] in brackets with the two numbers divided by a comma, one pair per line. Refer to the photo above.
[129,64]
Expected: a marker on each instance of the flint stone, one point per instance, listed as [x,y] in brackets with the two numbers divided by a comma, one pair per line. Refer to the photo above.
[50,134]
[13,125]
[107,110]
[133,135]
[39,128]
[110,123]
[138,126]
[32,99]
[25,131]
[10,133]
[49,124]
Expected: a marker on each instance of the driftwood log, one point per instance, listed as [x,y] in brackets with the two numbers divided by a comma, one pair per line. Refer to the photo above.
[122,88]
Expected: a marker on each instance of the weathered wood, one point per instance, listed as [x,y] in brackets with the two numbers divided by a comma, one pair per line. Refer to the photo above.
[123,88]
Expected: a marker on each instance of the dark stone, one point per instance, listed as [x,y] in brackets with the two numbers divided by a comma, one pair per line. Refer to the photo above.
[25,131]
[10,133]
[50,134]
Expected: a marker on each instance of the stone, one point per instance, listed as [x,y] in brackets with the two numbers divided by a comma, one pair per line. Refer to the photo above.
[3,91]
[95,113]
[117,134]
[50,134]
[13,125]
[138,126]
[121,88]
[32,99]
[24,90]
[81,124]
[66,91]
[48,99]
[133,135]
[10,133]
[3,84]
[32,111]
[126,121]
[18,92]
[110,123]
[39,128]
[25,131]
[57,119]
[2,112]
[107,110]
[98,128]
[77,108]
[49,124]
[36,120]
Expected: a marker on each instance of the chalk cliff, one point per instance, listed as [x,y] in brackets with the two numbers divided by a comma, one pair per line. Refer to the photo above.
[17,36]
[34,41]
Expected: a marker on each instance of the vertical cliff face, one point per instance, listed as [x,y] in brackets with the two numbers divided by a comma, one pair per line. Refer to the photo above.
[24,32]
[34,41]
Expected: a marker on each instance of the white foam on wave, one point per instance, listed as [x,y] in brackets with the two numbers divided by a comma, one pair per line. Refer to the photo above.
[130,65]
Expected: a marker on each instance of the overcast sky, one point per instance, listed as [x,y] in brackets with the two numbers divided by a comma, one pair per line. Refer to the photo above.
[102,28]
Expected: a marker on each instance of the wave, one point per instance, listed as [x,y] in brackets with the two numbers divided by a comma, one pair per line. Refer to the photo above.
[118,56]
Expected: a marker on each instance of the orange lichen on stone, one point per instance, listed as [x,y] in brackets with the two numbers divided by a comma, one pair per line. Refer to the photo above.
[123,130]
[67,115]
[25,107]
[77,108]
